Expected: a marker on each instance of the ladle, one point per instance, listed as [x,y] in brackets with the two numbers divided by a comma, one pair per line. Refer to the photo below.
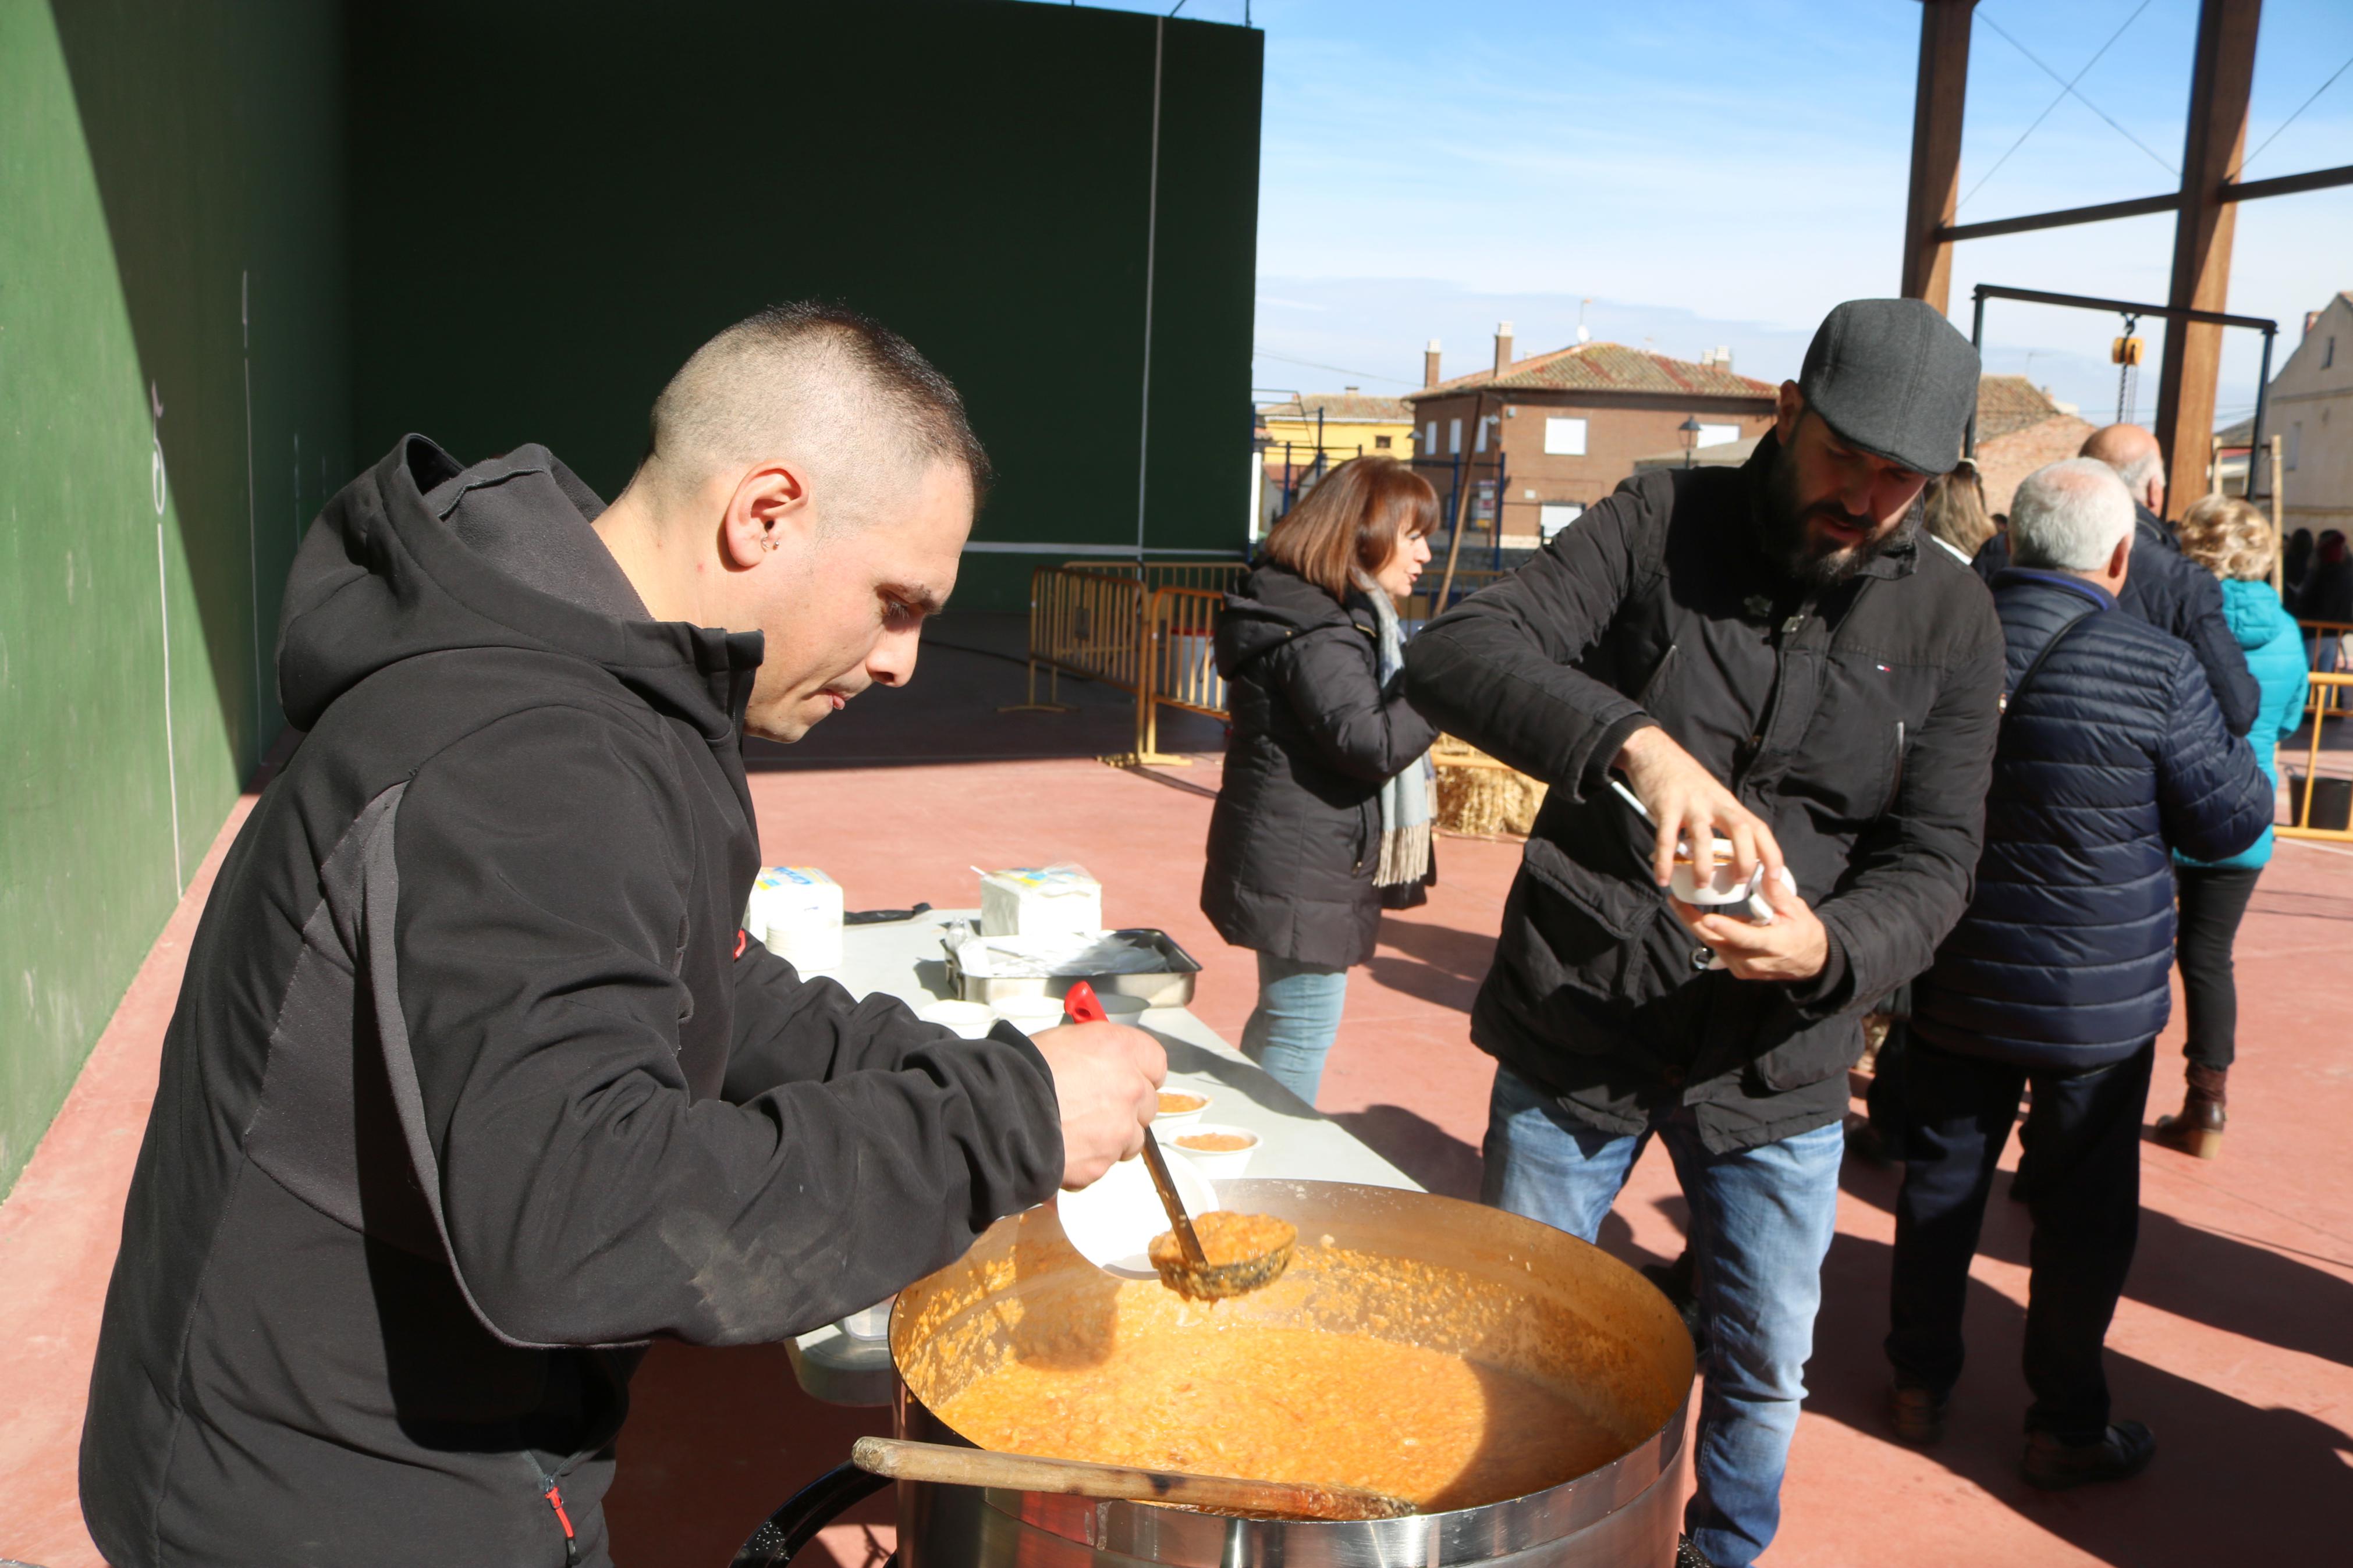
[944,1465]
[1192,1274]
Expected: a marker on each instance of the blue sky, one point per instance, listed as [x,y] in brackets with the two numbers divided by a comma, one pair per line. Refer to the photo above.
[1723,172]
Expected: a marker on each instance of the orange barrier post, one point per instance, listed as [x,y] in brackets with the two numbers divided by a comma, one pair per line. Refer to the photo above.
[2329,702]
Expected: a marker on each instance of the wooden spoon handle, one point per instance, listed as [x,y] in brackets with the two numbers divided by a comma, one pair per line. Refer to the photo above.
[946,1466]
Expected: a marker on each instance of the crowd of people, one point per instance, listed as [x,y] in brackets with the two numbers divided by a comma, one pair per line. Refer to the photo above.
[1980,775]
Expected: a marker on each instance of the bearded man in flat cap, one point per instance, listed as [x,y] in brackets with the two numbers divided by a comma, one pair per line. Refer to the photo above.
[1765,657]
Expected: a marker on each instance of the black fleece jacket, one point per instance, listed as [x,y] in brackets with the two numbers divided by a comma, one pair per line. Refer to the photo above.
[1296,835]
[1857,720]
[475,1085]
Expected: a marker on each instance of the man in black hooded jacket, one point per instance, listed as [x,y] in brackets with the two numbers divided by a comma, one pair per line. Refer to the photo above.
[475,1083]
[1769,655]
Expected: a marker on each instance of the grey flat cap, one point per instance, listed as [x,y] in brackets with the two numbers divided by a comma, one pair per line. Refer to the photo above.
[1895,378]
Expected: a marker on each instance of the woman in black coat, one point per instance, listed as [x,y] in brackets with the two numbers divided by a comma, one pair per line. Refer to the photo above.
[1324,813]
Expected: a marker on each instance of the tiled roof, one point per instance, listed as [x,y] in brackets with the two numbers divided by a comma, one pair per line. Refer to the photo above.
[1338,406]
[1604,367]
[2008,402]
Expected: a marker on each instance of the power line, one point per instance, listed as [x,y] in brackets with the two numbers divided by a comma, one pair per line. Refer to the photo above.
[2300,107]
[2054,103]
[2068,87]
[1335,369]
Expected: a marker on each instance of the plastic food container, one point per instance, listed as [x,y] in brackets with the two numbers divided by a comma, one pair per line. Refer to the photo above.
[1123,1009]
[1217,1152]
[1180,1108]
[1031,1014]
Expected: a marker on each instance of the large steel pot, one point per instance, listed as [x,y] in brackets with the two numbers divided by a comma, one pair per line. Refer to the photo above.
[1532,1293]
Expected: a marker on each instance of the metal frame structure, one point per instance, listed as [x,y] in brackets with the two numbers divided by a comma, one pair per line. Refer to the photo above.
[2127,309]
[2205,207]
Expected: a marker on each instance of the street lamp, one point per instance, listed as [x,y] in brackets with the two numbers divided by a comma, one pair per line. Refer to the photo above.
[1690,427]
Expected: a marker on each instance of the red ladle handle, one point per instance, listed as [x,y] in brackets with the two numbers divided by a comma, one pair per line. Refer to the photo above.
[1081,1004]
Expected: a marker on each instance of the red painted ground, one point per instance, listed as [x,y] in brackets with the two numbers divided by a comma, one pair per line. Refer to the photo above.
[2234,1342]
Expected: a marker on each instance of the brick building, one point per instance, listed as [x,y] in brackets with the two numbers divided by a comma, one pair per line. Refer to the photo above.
[1568,425]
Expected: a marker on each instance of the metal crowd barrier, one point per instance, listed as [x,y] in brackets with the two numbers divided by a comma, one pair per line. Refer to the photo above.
[1214,575]
[2325,648]
[2321,806]
[1084,621]
[1176,645]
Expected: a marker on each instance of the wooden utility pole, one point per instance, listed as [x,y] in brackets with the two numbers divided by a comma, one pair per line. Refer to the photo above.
[1936,150]
[2219,84]
[1462,503]
[2279,511]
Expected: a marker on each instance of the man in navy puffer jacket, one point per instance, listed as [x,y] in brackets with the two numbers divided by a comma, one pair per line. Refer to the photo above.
[2112,755]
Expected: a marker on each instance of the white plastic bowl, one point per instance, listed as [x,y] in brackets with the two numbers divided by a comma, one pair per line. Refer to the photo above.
[1217,1164]
[972,1020]
[1169,1122]
[1112,1222]
[1031,1014]
[1123,1009]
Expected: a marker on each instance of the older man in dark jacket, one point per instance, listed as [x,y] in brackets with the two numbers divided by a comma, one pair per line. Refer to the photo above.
[1767,654]
[2167,590]
[2112,755]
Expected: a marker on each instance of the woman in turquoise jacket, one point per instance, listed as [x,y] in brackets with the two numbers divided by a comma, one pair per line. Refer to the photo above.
[2234,541]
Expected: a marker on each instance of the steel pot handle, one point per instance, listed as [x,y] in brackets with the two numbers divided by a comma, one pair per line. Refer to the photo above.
[808,1510]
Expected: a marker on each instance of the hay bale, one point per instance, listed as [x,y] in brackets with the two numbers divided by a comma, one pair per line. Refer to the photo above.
[1479,796]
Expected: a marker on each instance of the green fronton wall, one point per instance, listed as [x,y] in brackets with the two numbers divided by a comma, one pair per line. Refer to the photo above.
[564,197]
[168,173]
[300,229]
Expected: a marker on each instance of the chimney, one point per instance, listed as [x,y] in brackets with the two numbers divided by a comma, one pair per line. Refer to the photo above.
[1430,364]
[2310,317]
[1722,356]
[1503,347]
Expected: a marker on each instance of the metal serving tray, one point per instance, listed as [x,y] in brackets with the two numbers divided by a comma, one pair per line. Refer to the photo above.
[1170,986]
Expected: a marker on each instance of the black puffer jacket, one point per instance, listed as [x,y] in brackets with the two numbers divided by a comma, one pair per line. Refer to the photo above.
[2177,596]
[1297,829]
[2112,756]
[1859,722]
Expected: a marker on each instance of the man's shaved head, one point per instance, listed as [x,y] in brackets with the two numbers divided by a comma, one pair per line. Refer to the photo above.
[2134,454]
[824,385]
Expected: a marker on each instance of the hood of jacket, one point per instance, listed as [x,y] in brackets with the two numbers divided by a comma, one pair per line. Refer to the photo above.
[1271,605]
[2253,611]
[382,577]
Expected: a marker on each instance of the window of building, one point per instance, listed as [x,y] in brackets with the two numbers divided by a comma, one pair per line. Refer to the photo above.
[1479,442]
[2329,353]
[1430,438]
[1553,516]
[1564,437]
[1454,437]
[1717,435]
[2295,440]
[1380,443]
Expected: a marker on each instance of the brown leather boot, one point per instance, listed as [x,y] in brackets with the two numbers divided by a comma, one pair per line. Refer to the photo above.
[2199,1129]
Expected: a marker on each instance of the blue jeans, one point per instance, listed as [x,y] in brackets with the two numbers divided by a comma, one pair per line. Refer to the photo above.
[1761,1224]
[1291,1028]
